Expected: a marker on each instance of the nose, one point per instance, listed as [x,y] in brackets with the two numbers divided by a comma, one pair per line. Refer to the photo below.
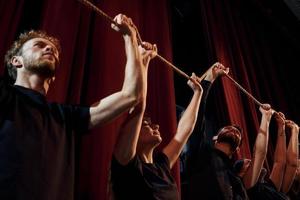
[49,48]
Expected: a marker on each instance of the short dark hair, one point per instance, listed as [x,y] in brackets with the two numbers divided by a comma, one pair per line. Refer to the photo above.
[231,135]
[16,47]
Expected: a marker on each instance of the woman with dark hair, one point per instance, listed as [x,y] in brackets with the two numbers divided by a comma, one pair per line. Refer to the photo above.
[136,171]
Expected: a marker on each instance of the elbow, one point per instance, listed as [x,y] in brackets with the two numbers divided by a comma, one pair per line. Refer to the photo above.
[280,165]
[280,162]
[292,160]
[261,150]
[132,98]
[125,157]
[261,154]
[292,163]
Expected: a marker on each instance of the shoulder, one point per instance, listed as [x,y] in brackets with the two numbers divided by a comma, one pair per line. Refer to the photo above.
[6,90]
[162,160]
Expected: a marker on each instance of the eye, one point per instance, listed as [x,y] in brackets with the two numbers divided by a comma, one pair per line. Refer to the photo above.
[39,44]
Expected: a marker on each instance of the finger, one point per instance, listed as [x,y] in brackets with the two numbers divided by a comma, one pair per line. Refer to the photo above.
[226,70]
[147,45]
[117,19]
[154,52]
[273,111]
[141,50]
[266,106]
[281,115]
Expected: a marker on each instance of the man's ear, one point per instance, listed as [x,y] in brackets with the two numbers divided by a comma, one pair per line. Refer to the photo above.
[17,61]
[51,80]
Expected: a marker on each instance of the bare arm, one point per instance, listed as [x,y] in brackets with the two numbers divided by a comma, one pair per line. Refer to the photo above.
[292,156]
[280,152]
[216,70]
[125,148]
[185,125]
[112,106]
[260,148]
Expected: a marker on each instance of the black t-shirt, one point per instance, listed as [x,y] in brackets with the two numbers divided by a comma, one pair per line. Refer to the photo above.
[265,191]
[37,145]
[209,175]
[143,181]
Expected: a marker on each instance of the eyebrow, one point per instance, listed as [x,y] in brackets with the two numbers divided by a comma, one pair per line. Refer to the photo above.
[46,43]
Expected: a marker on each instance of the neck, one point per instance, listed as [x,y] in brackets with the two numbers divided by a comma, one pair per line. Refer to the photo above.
[34,82]
[146,154]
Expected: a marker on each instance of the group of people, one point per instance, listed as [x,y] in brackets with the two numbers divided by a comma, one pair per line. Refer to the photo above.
[210,172]
[37,137]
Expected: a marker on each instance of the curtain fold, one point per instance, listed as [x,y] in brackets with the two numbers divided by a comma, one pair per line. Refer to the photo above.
[92,67]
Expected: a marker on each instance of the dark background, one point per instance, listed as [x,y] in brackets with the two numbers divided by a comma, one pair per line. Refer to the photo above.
[271,51]
[258,39]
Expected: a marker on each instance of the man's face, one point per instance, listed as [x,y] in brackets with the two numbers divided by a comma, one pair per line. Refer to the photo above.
[40,56]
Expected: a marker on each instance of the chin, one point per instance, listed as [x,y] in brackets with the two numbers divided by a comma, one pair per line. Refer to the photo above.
[44,68]
[159,140]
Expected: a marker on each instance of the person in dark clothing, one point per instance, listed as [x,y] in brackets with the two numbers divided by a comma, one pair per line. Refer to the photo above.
[136,171]
[212,74]
[37,137]
[209,167]
[265,189]
[211,174]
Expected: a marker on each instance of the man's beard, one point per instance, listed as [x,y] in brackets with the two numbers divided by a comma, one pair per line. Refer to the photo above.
[43,68]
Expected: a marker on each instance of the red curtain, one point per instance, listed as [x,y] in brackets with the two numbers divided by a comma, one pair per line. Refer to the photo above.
[254,41]
[244,35]
[92,67]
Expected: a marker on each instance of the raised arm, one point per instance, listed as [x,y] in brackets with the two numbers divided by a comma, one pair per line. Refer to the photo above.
[125,148]
[186,123]
[198,134]
[280,152]
[113,105]
[260,148]
[292,156]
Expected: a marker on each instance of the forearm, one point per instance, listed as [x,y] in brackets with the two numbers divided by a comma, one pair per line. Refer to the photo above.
[280,150]
[259,154]
[134,74]
[188,120]
[292,161]
[110,108]
[199,131]
[126,144]
[278,168]
[292,151]
[262,138]
[184,129]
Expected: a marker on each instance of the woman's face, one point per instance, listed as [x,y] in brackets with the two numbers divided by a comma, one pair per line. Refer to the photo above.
[149,133]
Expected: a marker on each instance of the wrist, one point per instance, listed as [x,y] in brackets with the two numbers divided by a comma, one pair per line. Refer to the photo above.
[209,77]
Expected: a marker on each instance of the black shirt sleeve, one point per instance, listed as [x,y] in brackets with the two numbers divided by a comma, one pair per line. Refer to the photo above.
[76,118]
[163,160]
[80,117]
[5,99]
[198,136]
